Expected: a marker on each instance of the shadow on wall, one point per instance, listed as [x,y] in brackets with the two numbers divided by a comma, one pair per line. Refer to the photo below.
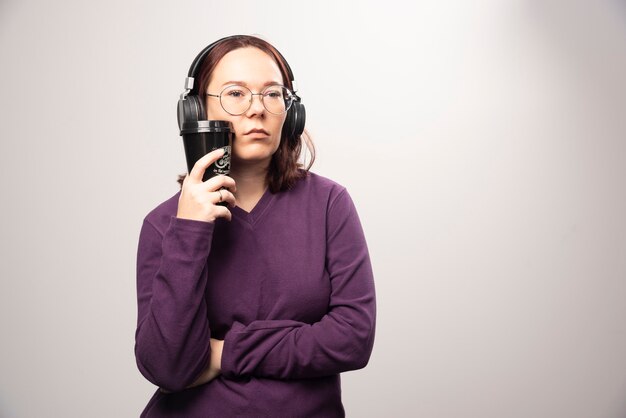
[590,37]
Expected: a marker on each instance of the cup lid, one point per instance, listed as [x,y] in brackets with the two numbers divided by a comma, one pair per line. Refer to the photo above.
[200,126]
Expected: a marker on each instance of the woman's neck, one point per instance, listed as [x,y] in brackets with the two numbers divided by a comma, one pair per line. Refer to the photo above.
[251,182]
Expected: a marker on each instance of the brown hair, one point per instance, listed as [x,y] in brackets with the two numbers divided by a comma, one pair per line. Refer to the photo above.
[284,170]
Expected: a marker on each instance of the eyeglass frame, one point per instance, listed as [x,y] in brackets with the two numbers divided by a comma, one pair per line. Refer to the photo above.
[293,97]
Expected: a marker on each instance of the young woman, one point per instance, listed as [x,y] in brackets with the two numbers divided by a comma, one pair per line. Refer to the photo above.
[254,308]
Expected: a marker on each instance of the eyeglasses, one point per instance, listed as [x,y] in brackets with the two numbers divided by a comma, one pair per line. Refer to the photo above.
[236,99]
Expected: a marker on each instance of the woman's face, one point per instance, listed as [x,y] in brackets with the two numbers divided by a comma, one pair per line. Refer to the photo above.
[254,69]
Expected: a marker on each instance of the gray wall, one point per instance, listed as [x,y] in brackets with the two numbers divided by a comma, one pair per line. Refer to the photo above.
[482,141]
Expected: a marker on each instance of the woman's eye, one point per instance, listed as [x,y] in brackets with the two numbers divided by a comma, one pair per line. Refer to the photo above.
[236,93]
[273,94]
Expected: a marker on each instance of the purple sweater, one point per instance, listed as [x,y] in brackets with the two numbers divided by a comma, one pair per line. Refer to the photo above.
[289,289]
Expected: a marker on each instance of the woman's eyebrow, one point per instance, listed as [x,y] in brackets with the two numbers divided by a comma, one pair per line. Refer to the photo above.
[243,83]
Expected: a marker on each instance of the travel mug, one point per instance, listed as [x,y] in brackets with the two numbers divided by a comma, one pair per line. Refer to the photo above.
[203,136]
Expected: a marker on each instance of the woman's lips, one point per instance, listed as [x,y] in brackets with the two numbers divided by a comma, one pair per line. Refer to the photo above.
[257,131]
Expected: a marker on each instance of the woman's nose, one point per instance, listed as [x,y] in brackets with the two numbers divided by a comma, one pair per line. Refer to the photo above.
[256,107]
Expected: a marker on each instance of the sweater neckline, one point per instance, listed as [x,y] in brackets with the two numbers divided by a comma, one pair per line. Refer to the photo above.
[257,211]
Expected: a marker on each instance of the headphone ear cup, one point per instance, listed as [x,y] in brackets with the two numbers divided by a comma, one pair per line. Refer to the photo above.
[294,122]
[190,109]
[299,119]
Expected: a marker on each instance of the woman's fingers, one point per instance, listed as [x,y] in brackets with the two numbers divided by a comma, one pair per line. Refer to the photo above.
[196,202]
[222,212]
[203,163]
[221,181]
[224,195]
[199,199]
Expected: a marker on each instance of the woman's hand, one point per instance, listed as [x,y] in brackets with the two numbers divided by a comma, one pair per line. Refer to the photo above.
[198,200]
[213,369]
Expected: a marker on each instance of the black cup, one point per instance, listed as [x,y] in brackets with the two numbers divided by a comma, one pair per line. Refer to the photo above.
[204,136]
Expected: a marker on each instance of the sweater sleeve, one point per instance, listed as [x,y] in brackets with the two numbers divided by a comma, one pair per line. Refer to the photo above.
[172,336]
[342,340]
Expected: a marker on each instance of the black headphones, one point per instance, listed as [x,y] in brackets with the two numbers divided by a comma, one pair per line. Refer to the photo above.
[191,104]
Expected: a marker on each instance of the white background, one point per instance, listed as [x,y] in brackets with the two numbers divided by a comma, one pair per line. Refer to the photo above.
[484,143]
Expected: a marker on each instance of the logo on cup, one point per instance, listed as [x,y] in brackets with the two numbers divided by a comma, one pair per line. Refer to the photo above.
[222,166]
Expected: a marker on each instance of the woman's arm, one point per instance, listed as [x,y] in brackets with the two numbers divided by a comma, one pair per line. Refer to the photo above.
[212,370]
[172,345]
[342,340]
[172,336]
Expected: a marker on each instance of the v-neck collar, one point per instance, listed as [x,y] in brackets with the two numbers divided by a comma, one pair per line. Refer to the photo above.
[257,211]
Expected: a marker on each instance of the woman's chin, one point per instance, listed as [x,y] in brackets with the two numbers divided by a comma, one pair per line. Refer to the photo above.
[249,158]
[252,155]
